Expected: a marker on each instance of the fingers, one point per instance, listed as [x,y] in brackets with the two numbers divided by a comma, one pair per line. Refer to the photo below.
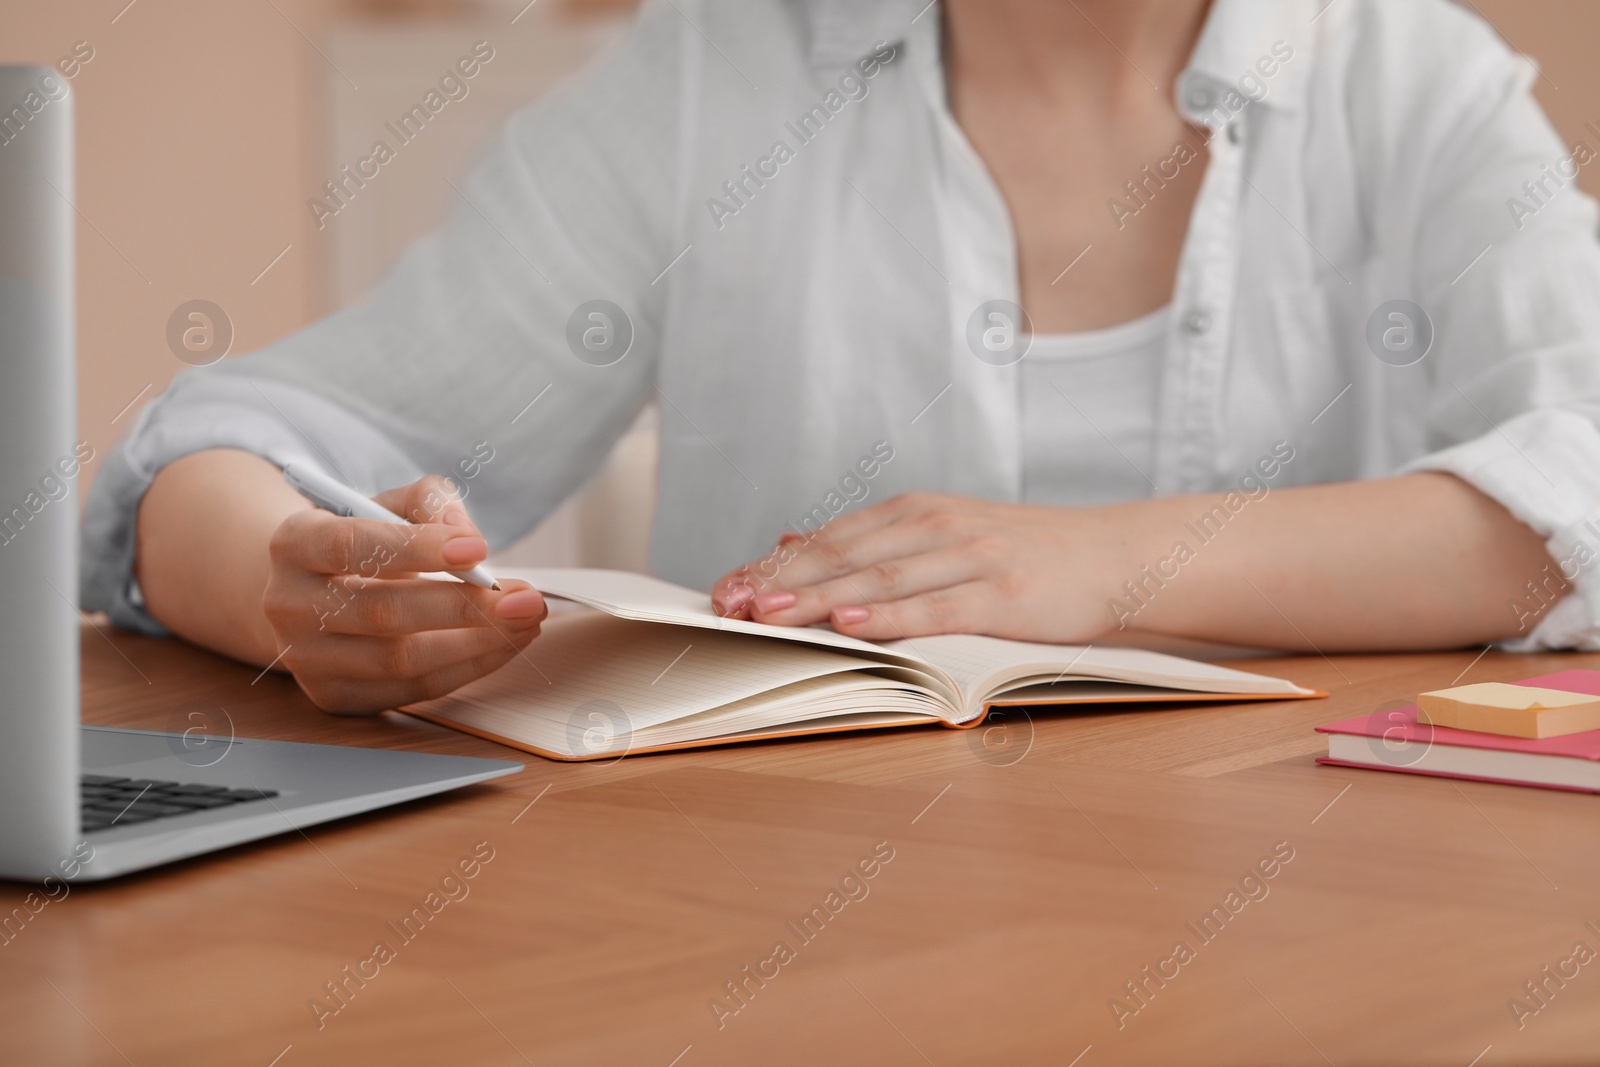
[433,498]
[895,509]
[795,561]
[402,658]
[361,632]
[867,542]
[432,659]
[892,579]
[388,608]
[965,608]
[321,543]
[519,602]
[917,564]
[842,546]
[388,642]
[731,595]
[837,557]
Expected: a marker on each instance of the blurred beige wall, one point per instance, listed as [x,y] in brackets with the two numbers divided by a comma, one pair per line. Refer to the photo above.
[195,121]
[200,134]
[1560,35]
[200,126]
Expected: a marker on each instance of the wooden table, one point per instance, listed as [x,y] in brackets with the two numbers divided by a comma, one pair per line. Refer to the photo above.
[1021,895]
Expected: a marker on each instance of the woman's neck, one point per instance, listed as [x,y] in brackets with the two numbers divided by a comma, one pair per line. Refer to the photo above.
[1109,48]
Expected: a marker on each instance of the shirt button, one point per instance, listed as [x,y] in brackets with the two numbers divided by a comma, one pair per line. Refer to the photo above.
[1197,321]
[1235,134]
[1198,97]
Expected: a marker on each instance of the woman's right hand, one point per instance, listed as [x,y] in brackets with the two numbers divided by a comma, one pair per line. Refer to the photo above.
[358,627]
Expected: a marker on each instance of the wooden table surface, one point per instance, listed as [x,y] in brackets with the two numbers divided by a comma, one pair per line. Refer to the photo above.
[1030,879]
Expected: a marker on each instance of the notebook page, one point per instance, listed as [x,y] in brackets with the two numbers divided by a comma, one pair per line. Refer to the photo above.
[589,671]
[976,667]
[984,667]
[809,703]
[639,596]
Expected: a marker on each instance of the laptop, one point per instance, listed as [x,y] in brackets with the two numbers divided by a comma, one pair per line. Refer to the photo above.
[86,803]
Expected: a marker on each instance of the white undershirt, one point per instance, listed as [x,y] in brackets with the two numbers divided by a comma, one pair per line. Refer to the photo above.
[1089,412]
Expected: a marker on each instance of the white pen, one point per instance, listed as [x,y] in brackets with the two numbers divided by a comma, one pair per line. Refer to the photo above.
[330,494]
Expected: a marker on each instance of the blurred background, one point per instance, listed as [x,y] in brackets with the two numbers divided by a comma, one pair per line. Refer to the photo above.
[205,126]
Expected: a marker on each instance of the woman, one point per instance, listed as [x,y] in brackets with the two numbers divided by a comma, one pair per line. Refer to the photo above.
[1218,320]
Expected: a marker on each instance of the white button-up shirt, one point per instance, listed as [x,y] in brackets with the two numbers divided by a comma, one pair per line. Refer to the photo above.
[795,245]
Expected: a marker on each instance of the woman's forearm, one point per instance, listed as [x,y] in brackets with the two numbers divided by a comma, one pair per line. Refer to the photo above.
[202,559]
[1415,561]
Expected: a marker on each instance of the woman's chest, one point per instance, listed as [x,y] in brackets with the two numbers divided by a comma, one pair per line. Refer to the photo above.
[1100,204]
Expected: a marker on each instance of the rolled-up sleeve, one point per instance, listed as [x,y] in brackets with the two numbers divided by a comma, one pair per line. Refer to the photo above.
[463,351]
[280,422]
[1512,282]
[1562,506]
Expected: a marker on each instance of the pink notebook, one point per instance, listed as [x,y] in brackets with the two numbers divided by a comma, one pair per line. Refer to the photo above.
[1393,740]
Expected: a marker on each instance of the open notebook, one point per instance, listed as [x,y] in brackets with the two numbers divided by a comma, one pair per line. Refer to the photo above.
[653,667]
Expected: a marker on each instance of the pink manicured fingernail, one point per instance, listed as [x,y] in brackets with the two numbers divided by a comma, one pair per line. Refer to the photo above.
[850,616]
[459,550]
[522,604]
[457,518]
[770,602]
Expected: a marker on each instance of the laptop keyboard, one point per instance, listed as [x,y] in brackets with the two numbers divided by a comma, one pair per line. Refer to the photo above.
[110,802]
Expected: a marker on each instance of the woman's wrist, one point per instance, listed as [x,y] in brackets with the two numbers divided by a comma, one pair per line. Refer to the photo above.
[1138,550]
[201,559]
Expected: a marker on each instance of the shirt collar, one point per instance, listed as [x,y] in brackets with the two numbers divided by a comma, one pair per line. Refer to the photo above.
[1241,41]
[840,32]
[1237,35]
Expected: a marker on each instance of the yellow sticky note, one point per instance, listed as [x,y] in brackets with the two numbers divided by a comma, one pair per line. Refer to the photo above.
[1510,710]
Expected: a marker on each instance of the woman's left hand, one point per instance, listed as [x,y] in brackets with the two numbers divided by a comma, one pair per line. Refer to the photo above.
[927,564]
